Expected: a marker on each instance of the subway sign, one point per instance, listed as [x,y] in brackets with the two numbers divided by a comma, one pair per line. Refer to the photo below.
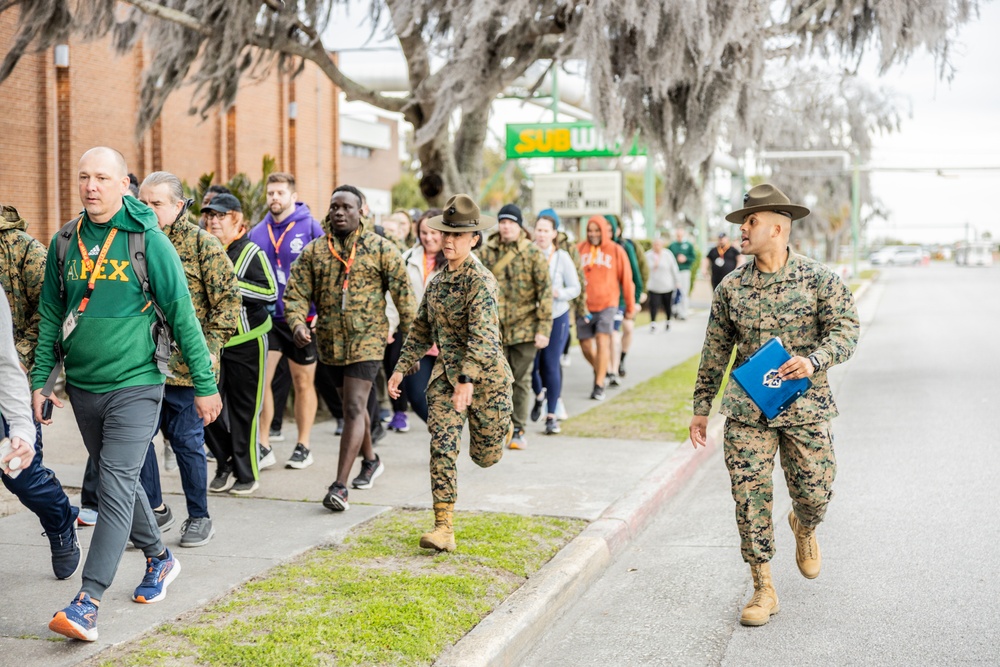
[569,140]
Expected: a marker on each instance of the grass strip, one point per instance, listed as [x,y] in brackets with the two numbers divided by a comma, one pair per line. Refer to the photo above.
[376,600]
[657,409]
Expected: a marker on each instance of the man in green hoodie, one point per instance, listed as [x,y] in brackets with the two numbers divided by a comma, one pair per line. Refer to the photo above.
[621,339]
[102,319]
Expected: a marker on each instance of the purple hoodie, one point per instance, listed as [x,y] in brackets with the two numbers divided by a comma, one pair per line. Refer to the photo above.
[306,229]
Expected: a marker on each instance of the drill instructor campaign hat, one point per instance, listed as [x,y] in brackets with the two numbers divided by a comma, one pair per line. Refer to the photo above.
[766,197]
[461,214]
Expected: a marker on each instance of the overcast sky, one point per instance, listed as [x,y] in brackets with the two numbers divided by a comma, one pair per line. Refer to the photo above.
[953,124]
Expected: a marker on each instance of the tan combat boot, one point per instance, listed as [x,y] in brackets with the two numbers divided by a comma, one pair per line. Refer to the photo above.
[764,603]
[807,555]
[442,537]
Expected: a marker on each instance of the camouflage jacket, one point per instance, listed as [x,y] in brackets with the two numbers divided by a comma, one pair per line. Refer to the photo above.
[214,292]
[805,304]
[22,270]
[525,289]
[351,326]
[460,313]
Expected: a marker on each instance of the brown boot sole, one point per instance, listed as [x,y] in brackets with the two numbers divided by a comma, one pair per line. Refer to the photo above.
[426,543]
[755,623]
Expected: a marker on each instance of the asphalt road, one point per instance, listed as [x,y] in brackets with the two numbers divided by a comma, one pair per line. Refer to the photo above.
[911,542]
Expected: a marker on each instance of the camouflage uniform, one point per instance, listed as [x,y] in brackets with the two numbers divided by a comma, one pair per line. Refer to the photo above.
[525,310]
[459,313]
[813,312]
[22,270]
[357,332]
[214,292]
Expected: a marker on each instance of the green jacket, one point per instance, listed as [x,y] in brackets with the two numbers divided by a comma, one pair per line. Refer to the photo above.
[687,250]
[805,304]
[359,331]
[640,272]
[525,288]
[112,347]
[460,313]
[214,292]
[22,269]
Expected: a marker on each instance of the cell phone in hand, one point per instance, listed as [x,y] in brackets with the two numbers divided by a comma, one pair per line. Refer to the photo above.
[47,409]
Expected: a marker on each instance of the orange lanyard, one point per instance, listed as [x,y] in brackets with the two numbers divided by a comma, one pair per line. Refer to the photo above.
[348,264]
[277,244]
[90,265]
[240,234]
[594,249]
[429,264]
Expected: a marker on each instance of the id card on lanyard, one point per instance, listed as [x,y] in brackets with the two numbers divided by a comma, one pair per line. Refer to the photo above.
[347,268]
[93,268]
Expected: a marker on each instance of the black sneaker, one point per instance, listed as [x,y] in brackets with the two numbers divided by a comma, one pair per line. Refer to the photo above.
[274,435]
[164,519]
[598,393]
[378,433]
[244,488]
[369,471]
[196,532]
[224,480]
[621,367]
[335,499]
[536,409]
[340,427]
[65,549]
[552,426]
[300,458]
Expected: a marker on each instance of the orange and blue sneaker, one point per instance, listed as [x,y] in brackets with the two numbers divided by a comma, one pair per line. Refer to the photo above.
[78,620]
[159,574]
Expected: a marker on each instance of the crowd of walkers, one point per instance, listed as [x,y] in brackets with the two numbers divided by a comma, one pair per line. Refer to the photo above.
[199,328]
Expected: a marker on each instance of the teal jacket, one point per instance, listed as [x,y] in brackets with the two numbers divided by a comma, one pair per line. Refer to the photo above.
[633,260]
[111,346]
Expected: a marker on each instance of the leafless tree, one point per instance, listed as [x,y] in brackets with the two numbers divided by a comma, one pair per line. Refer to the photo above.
[672,70]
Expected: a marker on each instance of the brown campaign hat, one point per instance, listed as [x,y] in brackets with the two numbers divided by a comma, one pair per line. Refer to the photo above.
[461,214]
[766,197]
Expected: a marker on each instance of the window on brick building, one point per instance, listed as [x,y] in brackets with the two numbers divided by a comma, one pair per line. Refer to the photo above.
[353,150]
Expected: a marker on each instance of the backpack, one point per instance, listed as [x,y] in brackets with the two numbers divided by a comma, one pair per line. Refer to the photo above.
[162,335]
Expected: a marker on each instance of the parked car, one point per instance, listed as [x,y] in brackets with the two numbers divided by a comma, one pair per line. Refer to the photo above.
[898,255]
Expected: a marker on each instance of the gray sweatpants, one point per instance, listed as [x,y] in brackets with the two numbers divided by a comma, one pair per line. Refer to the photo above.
[116,429]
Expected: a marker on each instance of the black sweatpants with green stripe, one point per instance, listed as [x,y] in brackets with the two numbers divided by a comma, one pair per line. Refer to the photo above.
[233,436]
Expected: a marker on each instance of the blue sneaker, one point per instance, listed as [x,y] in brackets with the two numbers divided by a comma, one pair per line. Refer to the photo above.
[78,620]
[159,574]
[87,516]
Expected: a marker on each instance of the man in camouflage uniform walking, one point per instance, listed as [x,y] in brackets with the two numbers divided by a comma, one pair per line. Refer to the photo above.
[525,306]
[346,274]
[779,294]
[22,270]
[471,378]
[216,299]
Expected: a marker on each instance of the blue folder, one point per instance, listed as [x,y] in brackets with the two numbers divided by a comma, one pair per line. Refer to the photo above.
[758,376]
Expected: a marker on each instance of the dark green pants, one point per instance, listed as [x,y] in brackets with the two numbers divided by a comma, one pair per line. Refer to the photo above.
[521,358]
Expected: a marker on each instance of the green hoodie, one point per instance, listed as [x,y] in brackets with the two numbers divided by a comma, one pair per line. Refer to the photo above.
[638,275]
[112,346]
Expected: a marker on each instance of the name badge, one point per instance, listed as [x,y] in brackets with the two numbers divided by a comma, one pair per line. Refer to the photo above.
[719,261]
[281,276]
[68,325]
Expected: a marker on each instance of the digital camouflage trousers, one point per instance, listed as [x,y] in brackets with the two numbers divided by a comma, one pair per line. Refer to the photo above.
[489,422]
[809,466]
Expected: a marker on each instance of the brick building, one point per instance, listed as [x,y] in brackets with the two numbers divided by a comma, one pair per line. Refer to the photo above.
[59,103]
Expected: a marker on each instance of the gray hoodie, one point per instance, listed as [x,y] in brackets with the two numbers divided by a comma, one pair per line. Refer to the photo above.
[15,396]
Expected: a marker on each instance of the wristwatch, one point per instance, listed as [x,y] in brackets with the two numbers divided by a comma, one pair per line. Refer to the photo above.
[465,379]
[814,362]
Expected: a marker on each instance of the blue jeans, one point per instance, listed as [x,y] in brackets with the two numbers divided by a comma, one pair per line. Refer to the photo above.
[38,489]
[547,372]
[415,386]
[185,430]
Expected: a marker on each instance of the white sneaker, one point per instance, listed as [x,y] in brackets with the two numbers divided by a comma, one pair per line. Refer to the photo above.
[266,460]
[561,411]
[169,458]
[565,361]
[652,328]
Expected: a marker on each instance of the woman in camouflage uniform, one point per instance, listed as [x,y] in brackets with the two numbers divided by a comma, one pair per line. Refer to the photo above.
[471,377]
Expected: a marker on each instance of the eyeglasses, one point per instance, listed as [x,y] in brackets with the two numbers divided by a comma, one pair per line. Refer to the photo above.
[211,215]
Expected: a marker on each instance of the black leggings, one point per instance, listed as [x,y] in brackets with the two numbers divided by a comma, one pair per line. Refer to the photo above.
[658,300]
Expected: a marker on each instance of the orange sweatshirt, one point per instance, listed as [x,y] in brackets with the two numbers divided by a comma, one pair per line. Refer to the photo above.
[606,271]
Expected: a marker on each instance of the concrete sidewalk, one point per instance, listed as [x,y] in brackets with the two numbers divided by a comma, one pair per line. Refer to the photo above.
[561,476]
